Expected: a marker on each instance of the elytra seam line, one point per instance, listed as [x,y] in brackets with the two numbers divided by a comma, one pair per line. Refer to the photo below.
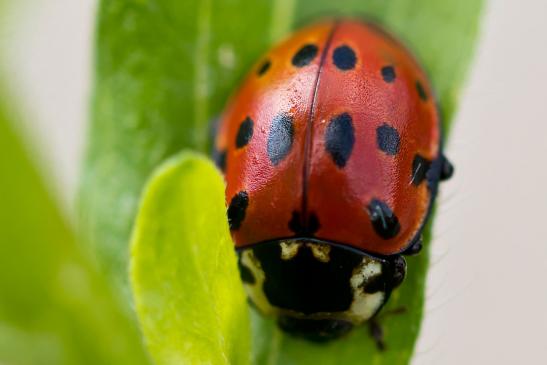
[309,128]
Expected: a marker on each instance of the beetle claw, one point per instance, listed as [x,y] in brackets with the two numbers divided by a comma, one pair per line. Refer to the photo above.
[447,169]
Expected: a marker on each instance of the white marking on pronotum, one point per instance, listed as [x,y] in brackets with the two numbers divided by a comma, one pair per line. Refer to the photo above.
[254,291]
[289,250]
[365,304]
[320,251]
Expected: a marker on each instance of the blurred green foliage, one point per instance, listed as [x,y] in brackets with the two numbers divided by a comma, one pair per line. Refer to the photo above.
[188,295]
[55,308]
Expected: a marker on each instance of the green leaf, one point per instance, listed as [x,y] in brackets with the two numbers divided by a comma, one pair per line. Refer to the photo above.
[163,70]
[55,308]
[189,298]
[166,67]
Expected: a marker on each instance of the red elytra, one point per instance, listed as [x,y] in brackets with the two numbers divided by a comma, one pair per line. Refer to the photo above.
[334,135]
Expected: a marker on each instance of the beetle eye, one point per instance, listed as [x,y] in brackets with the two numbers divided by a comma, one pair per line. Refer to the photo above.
[398,271]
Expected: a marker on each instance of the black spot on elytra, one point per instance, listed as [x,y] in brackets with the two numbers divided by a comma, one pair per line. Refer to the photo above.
[245,273]
[388,139]
[383,219]
[421,91]
[264,67]
[420,167]
[295,224]
[305,55]
[313,224]
[220,159]
[344,58]
[245,133]
[301,228]
[340,138]
[388,73]
[280,138]
[236,210]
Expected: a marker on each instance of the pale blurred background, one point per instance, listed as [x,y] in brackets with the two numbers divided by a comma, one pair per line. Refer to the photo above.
[487,294]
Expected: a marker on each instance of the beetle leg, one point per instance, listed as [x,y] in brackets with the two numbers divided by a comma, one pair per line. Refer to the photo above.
[394,311]
[414,248]
[377,334]
[375,328]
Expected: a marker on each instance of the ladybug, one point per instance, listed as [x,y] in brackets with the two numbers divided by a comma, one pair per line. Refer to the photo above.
[332,155]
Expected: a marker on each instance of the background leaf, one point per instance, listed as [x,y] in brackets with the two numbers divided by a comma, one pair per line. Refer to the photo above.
[164,70]
[55,308]
[188,294]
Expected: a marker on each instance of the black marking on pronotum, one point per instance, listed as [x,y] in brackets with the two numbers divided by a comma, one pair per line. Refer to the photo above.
[421,91]
[388,139]
[305,284]
[245,273]
[375,284]
[344,58]
[384,221]
[245,133]
[301,228]
[388,74]
[280,138]
[340,138]
[236,210]
[305,55]
[420,167]
[264,67]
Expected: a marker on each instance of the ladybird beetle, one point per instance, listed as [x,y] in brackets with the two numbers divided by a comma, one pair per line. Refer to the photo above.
[331,151]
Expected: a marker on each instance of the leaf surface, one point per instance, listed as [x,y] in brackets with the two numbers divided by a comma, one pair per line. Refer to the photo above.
[188,294]
[55,307]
